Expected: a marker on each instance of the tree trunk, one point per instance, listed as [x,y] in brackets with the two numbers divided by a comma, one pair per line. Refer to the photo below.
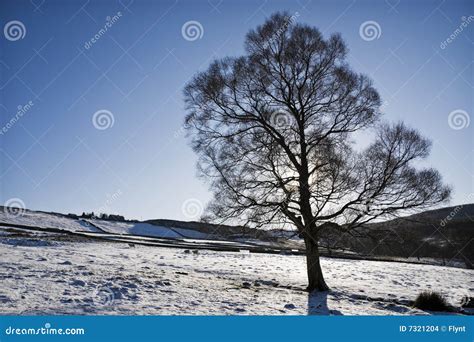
[315,274]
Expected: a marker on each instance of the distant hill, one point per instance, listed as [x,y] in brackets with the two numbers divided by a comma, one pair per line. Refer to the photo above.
[446,233]
[236,233]
[456,213]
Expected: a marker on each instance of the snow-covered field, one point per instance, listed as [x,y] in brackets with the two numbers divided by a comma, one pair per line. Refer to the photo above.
[48,220]
[134,232]
[47,273]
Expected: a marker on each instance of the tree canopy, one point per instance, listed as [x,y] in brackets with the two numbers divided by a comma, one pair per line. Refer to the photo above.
[275,129]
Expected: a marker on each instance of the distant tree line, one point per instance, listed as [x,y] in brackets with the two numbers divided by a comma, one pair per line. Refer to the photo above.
[100,216]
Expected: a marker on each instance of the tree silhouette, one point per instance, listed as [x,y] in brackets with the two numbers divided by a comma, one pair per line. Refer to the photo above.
[274,132]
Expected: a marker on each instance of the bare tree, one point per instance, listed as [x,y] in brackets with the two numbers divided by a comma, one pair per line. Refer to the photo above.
[274,131]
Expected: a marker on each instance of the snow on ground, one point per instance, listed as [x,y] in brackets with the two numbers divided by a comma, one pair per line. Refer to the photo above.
[47,274]
[144,229]
[193,234]
[147,229]
[46,220]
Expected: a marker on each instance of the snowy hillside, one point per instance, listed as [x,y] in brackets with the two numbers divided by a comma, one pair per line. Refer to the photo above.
[46,220]
[147,233]
[50,273]
[49,220]
[146,229]
[54,264]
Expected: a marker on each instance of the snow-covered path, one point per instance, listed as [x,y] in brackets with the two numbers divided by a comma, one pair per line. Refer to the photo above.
[44,275]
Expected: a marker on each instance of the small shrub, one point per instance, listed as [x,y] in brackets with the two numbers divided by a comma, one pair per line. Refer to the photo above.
[432,301]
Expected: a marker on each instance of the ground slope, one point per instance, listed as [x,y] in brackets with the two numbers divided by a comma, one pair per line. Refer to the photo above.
[46,273]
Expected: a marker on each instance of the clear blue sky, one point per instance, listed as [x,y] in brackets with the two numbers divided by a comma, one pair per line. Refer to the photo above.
[53,157]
